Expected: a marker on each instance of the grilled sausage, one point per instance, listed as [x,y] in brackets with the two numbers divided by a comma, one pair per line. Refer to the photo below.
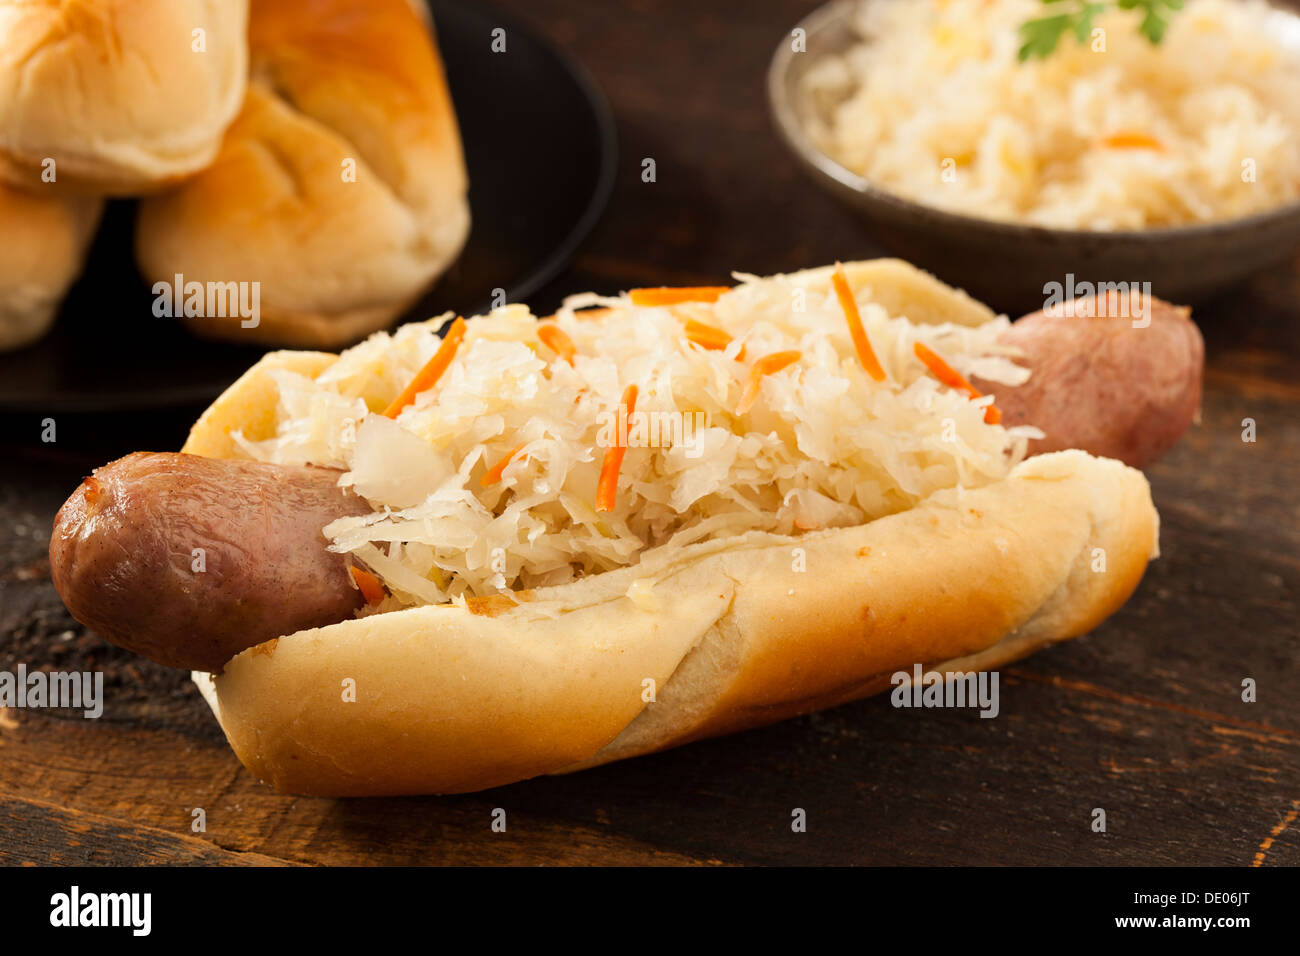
[1113,383]
[189,560]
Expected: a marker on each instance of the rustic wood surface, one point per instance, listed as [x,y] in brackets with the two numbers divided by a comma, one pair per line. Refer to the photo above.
[1143,718]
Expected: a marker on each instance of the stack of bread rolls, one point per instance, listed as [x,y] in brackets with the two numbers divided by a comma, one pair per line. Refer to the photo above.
[307,146]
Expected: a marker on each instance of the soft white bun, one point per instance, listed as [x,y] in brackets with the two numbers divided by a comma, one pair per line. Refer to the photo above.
[336,85]
[116,92]
[47,240]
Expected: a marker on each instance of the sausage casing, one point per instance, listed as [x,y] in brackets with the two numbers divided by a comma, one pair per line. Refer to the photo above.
[189,560]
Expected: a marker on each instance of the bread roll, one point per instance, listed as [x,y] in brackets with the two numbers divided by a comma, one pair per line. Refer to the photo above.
[47,236]
[123,95]
[341,187]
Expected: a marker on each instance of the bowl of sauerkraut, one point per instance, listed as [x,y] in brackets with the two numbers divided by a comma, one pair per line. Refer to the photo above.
[1111,158]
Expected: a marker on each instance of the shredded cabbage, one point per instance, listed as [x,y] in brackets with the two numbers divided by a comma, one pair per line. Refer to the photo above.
[931,103]
[823,446]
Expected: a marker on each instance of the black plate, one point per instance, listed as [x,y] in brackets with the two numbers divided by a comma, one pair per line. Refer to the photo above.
[539,143]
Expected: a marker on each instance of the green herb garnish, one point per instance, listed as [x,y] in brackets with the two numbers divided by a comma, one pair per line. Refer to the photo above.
[1041,36]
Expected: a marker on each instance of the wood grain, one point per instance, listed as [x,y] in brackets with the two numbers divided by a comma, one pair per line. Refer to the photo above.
[1143,718]
[48,835]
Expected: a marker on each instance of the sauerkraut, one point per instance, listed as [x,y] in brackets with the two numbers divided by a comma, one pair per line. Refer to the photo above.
[1111,133]
[822,446]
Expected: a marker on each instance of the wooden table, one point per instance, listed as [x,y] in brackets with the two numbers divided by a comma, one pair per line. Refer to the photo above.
[1143,718]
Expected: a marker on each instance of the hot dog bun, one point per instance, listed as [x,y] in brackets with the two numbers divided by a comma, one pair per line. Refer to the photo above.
[451,699]
[468,699]
[123,95]
[340,188]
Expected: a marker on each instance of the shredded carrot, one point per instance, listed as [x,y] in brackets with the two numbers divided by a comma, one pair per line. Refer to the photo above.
[866,354]
[943,371]
[432,371]
[1133,141]
[555,339]
[675,296]
[710,337]
[493,474]
[607,486]
[370,587]
[949,376]
[707,336]
[767,365]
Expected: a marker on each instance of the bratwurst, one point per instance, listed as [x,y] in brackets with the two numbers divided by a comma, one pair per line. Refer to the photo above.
[230,553]
[226,553]
[1117,377]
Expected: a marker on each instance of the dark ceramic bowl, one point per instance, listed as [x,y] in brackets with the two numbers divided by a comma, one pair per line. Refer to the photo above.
[1007,264]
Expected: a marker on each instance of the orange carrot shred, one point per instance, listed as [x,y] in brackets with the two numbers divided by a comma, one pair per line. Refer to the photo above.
[707,336]
[1133,141]
[767,365]
[428,376]
[710,337]
[493,474]
[866,354]
[666,295]
[607,486]
[370,587]
[555,339]
[949,376]
[943,371]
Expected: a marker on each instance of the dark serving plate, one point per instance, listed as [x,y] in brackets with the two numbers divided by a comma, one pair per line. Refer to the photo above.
[539,143]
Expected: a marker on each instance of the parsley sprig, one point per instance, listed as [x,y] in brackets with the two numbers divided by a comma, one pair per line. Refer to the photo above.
[1041,36]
